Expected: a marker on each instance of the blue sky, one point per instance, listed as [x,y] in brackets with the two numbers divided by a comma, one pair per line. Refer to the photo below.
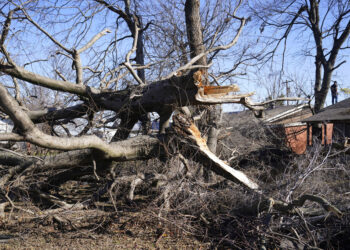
[296,65]
[33,45]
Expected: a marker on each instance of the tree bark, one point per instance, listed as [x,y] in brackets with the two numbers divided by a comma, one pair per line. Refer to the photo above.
[195,41]
[322,83]
[194,30]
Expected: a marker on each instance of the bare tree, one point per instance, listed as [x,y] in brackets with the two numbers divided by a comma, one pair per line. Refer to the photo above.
[327,22]
[104,87]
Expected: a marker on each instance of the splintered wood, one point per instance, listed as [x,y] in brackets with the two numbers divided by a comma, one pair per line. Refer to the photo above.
[184,126]
[214,91]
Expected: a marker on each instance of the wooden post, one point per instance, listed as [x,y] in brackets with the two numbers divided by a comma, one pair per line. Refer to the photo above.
[325,133]
[307,135]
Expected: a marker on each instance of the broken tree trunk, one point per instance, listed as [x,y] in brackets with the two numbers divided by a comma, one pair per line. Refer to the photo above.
[193,146]
[186,128]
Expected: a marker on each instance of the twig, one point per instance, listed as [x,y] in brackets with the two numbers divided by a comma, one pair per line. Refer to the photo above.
[14,206]
[21,155]
[43,31]
[94,166]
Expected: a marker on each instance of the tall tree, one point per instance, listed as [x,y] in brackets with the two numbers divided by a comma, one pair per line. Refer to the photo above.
[327,21]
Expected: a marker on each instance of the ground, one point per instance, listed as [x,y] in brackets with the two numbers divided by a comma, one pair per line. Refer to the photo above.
[123,231]
[194,214]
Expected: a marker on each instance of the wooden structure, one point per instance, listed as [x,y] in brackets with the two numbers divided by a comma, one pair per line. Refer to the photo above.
[286,121]
[333,121]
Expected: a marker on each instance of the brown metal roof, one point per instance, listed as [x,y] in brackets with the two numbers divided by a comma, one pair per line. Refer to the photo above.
[337,112]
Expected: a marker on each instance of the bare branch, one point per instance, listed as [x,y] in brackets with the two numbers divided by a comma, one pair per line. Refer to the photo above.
[11,137]
[60,75]
[93,40]
[39,60]
[17,91]
[6,27]
[127,57]
[211,50]
[118,11]
[78,67]
[37,79]
[120,150]
[340,64]
[4,35]
[42,30]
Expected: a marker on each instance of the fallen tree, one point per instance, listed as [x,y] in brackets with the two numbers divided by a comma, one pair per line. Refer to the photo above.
[74,154]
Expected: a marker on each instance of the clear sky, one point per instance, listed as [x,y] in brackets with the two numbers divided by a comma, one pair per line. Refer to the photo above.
[297,67]
[36,46]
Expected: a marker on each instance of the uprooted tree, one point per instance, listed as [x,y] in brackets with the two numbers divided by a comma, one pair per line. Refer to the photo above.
[91,87]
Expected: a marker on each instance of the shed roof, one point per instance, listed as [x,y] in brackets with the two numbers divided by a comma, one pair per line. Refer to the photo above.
[287,114]
[337,112]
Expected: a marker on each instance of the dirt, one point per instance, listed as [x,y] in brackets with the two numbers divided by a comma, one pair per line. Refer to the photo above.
[88,240]
[128,231]
[219,216]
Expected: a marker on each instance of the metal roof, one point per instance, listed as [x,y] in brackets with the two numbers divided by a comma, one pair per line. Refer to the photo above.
[282,115]
[337,112]
[287,114]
